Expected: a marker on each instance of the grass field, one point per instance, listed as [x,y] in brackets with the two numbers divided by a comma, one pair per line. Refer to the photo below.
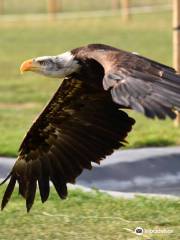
[82,216]
[88,216]
[22,97]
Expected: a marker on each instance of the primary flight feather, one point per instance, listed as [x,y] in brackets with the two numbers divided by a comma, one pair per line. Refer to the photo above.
[83,122]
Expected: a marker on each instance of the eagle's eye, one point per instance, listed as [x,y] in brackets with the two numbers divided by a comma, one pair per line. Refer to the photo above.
[42,62]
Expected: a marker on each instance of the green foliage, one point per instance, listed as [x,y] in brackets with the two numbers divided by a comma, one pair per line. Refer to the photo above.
[22,97]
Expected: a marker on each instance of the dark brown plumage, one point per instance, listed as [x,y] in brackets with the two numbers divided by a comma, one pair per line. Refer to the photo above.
[83,124]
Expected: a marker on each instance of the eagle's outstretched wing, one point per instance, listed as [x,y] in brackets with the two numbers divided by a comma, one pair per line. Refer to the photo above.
[77,127]
[137,82]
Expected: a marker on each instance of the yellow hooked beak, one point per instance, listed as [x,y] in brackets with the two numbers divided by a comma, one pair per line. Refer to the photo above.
[29,65]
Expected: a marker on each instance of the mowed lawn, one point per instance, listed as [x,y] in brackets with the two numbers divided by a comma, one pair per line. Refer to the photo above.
[90,216]
[23,96]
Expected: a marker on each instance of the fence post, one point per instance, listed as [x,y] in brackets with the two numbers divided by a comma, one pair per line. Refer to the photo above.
[115,4]
[125,5]
[1,6]
[52,8]
[176,44]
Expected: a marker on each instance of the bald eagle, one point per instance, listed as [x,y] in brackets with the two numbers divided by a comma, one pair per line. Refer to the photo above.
[83,122]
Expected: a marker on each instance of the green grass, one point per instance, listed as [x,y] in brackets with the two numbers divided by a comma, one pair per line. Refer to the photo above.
[89,216]
[83,215]
[22,97]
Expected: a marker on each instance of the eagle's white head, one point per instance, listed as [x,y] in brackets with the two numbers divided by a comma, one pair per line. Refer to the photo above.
[58,66]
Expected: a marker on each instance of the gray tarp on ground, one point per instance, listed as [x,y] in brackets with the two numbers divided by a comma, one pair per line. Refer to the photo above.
[148,170]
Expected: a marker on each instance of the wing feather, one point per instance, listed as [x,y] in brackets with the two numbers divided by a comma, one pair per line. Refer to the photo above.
[8,192]
[132,79]
[80,125]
